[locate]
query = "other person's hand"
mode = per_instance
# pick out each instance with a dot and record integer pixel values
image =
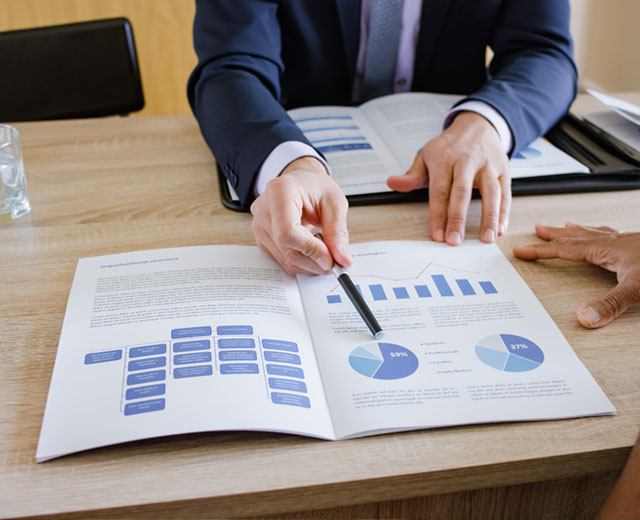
(467, 155)
(302, 197)
(603, 246)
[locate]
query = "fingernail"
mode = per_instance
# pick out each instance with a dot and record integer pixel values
(324, 263)
(454, 238)
(502, 228)
(589, 315)
(489, 235)
(439, 235)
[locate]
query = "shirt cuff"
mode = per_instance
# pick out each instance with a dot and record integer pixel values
(279, 158)
(490, 114)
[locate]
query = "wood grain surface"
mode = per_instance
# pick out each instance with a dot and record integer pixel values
(113, 185)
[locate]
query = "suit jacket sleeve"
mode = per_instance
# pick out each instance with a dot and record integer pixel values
(234, 91)
(532, 77)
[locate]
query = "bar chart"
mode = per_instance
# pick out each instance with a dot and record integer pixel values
(433, 286)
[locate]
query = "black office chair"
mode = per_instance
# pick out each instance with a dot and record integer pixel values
(87, 69)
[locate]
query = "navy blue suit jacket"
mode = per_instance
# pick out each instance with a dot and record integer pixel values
(258, 58)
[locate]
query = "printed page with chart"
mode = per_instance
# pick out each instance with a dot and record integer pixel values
(365, 145)
(466, 342)
(211, 338)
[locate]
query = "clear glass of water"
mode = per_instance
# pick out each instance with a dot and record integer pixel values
(14, 200)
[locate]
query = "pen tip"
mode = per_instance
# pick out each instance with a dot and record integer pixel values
(379, 334)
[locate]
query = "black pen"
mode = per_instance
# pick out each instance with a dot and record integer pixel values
(356, 298)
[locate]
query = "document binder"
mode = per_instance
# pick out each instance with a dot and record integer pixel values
(610, 169)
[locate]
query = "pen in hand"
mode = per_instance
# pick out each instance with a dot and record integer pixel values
(356, 298)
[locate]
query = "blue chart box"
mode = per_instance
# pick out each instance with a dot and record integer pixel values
(226, 330)
(237, 355)
(185, 346)
(283, 370)
(145, 391)
(197, 371)
(190, 332)
(148, 350)
(287, 384)
(152, 405)
(193, 357)
(290, 399)
(277, 344)
(146, 377)
(239, 368)
(144, 364)
(102, 357)
(282, 357)
(236, 343)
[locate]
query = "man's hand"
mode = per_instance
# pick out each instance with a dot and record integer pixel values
(603, 246)
(467, 155)
(304, 196)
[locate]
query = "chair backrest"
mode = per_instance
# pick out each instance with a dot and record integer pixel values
(87, 69)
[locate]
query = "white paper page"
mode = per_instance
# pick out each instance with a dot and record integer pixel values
(627, 110)
(542, 158)
(181, 340)
(466, 342)
(617, 126)
(406, 122)
(360, 162)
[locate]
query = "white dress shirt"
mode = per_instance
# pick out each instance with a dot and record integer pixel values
(289, 151)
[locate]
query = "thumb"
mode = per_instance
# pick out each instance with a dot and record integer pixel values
(415, 177)
(603, 310)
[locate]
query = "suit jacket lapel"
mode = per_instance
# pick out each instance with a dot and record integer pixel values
(432, 19)
(349, 15)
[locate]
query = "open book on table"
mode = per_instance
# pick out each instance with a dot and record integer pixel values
(365, 145)
(211, 338)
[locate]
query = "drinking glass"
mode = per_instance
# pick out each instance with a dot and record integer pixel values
(14, 200)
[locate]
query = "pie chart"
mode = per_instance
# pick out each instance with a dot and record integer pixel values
(383, 361)
(509, 353)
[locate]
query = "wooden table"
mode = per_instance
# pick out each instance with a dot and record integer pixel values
(107, 186)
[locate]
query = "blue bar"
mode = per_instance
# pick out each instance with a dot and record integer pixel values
(276, 344)
(227, 330)
(290, 399)
(488, 288)
(146, 377)
(237, 355)
(334, 298)
(190, 332)
(192, 357)
(287, 384)
(144, 364)
(283, 370)
(282, 357)
(148, 350)
(465, 287)
(377, 292)
(236, 343)
(186, 346)
(196, 371)
(102, 357)
(145, 391)
(423, 291)
(401, 293)
(342, 147)
(239, 368)
(144, 406)
(442, 285)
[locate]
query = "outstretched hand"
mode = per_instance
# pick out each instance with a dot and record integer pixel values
(302, 198)
(602, 246)
(467, 155)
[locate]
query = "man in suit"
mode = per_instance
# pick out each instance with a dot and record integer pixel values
(258, 58)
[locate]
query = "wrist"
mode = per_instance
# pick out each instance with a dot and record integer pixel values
(306, 163)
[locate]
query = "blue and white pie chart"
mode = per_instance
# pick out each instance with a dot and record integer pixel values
(381, 360)
(509, 353)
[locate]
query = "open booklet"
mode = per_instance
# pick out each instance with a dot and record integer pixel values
(210, 338)
(364, 145)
